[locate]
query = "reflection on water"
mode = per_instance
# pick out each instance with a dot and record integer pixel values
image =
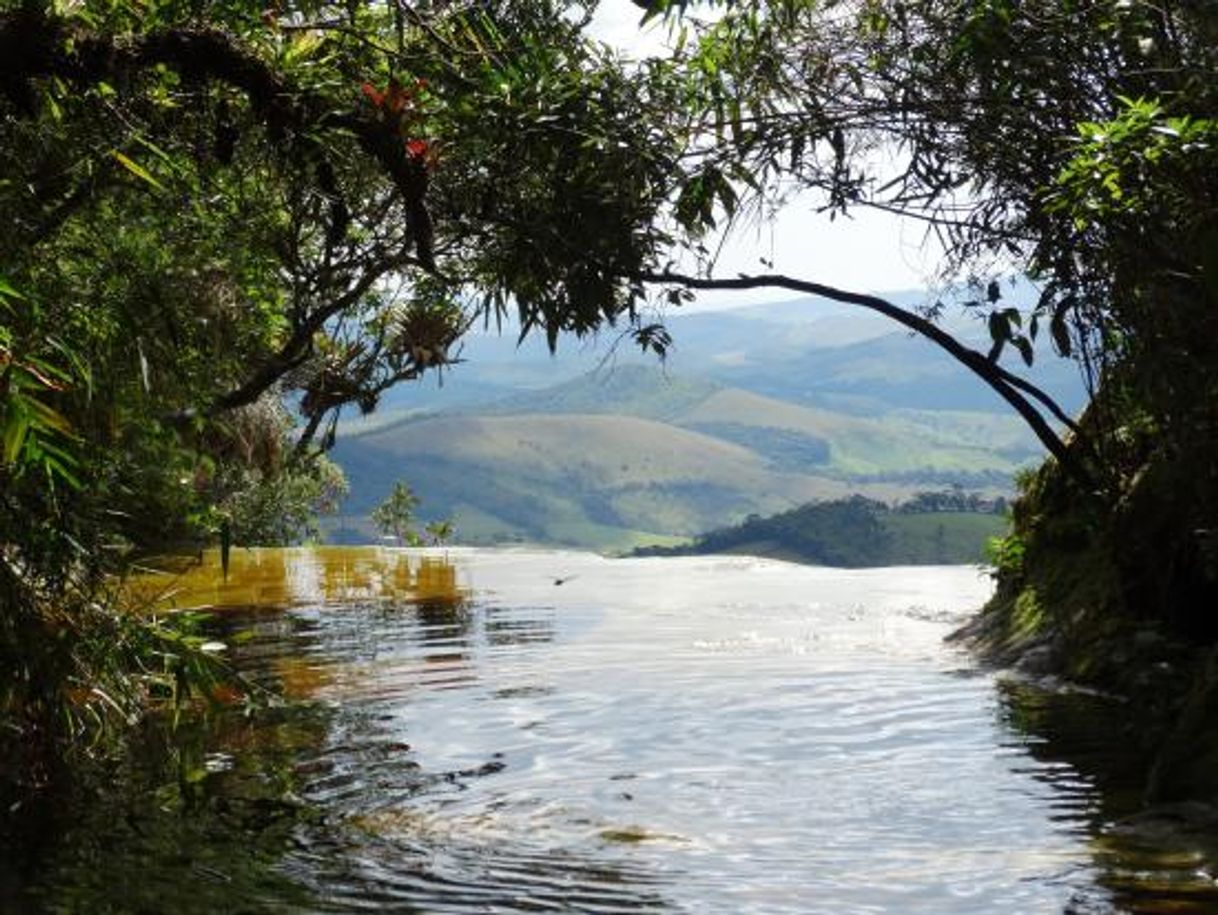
(288, 577)
(1163, 859)
(702, 735)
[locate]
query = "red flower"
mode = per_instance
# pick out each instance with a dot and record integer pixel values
(397, 98)
(417, 149)
(377, 98)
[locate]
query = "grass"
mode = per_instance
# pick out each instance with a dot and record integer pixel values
(940, 537)
(908, 443)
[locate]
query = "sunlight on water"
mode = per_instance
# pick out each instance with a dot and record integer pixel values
(288, 577)
(519, 731)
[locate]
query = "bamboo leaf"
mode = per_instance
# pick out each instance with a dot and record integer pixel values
(136, 169)
(16, 426)
(7, 291)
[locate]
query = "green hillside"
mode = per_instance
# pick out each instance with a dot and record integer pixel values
(853, 533)
(977, 449)
(628, 389)
(588, 480)
(632, 455)
(904, 445)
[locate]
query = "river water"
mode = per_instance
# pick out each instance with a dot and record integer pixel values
(503, 731)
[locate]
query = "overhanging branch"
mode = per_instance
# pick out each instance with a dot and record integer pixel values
(1011, 388)
(34, 45)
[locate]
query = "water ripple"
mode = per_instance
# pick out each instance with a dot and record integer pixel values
(623, 751)
(692, 735)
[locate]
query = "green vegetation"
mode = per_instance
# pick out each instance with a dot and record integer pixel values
(1101, 183)
(395, 516)
(783, 449)
(218, 211)
(645, 391)
(615, 475)
(1074, 144)
(930, 529)
(440, 532)
(219, 215)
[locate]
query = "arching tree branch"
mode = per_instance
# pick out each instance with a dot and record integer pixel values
(1011, 388)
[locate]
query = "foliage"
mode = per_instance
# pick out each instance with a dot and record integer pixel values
(34, 436)
(79, 674)
(856, 532)
(951, 500)
(440, 532)
(1005, 554)
(833, 533)
(1073, 143)
(220, 211)
(282, 508)
(395, 515)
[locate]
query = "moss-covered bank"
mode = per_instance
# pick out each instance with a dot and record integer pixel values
(1116, 588)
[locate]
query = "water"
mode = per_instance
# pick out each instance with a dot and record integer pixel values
(488, 731)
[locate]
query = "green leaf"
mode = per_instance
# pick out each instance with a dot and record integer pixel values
(7, 291)
(15, 428)
(136, 169)
(156, 151)
(57, 468)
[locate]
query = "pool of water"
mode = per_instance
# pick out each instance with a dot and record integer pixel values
(501, 731)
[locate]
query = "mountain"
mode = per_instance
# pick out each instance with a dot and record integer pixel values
(756, 410)
(636, 454)
(892, 371)
(805, 350)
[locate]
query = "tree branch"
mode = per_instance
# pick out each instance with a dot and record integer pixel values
(33, 45)
(296, 349)
(1009, 387)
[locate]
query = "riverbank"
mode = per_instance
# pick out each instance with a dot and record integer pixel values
(1114, 595)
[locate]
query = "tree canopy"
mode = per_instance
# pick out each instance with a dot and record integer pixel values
(224, 214)
(1074, 143)
(219, 215)
(221, 212)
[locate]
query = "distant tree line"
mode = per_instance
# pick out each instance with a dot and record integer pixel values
(949, 527)
(951, 500)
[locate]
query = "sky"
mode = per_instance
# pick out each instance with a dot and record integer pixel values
(868, 252)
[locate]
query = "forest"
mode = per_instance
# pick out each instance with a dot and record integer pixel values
(932, 528)
(228, 223)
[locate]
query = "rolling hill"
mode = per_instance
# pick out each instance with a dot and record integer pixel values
(580, 479)
(758, 409)
(857, 533)
(637, 454)
(806, 351)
